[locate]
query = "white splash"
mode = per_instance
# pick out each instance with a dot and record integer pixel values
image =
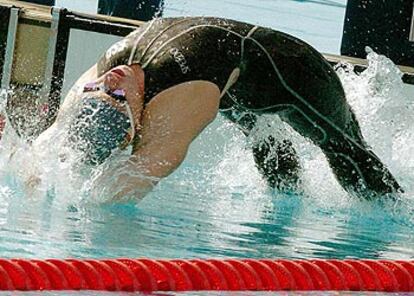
(385, 112)
(377, 96)
(48, 167)
(384, 107)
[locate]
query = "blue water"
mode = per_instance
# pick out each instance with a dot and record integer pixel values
(216, 204)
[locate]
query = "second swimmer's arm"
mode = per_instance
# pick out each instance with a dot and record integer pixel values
(171, 121)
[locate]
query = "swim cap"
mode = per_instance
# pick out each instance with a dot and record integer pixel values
(97, 130)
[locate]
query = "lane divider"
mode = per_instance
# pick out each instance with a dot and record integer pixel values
(203, 275)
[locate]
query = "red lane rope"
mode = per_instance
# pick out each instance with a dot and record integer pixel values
(198, 275)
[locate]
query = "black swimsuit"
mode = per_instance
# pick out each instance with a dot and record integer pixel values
(258, 70)
(277, 72)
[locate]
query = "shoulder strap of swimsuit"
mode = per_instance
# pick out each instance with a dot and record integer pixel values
(134, 48)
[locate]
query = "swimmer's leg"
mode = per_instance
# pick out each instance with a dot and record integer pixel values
(276, 159)
(357, 168)
(282, 74)
(278, 162)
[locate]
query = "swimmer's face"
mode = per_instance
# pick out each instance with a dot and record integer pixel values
(118, 82)
(130, 79)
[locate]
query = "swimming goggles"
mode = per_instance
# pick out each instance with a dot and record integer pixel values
(118, 95)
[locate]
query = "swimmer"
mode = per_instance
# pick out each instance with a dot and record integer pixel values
(160, 86)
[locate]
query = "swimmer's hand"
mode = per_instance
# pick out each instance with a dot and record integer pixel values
(31, 186)
(129, 189)
(32, 182)
(122, 183)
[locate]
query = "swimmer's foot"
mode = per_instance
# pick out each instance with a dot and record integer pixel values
(278, 163)
(361, 172)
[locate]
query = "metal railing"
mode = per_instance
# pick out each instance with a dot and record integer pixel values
(411, 38)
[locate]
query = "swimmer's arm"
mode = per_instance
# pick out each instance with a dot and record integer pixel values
(171, 121)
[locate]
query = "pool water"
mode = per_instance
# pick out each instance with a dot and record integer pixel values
(216, 204)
